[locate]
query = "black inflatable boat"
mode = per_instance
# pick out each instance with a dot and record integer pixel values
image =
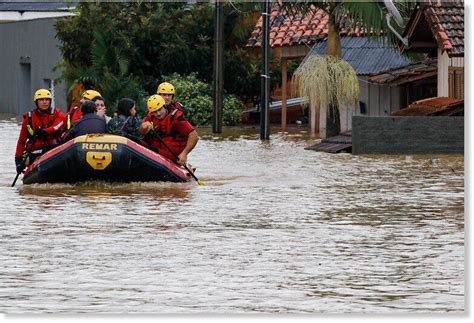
(103, 157)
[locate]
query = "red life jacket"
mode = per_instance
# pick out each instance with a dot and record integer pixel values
(150, 140)
(173, 129)
(74, 114)
(51, 121)
(174, 106)
(178, 106)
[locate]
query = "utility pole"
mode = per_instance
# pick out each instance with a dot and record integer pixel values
(265, 82)
(218, 68)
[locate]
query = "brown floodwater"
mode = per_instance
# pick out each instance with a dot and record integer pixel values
(276, 229)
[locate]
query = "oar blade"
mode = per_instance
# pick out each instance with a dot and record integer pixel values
(16, 177)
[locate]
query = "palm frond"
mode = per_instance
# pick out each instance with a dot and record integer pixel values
(123, 64)
(368, 16)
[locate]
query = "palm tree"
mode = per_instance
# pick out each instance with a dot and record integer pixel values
(369, 16)
(109, 73)
(332, 87)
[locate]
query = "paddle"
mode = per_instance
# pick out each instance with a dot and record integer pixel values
(25, 157)
(176, 156)
(16, 177)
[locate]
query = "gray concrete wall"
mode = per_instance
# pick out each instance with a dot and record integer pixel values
(407, 135)
(29, 51)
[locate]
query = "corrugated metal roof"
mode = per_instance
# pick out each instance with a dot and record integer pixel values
(36, 6)
(365, 55)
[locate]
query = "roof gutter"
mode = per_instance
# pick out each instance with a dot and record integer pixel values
(393, 13)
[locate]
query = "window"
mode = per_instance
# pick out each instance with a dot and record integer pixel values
(456, 82)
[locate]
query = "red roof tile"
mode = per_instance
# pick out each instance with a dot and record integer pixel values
(433, 106)
(294, 29)
(287, 41)
(276, 42)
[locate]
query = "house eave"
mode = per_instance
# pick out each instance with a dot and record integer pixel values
(12, 16)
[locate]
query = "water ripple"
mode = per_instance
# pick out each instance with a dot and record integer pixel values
(276, 229)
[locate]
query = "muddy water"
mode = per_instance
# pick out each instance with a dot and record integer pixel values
(276, 229)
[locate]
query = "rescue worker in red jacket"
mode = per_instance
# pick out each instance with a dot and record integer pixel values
(75, 113)
(177, 133)
(167, 91)
(40, 131)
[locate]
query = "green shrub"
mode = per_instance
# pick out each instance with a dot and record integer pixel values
(232, 114)
(196, 96)
(200, 110)
(188, 86)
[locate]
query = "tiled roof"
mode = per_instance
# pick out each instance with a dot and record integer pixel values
(433, 106)
(365, 55)
(289, 30)
(445, 19)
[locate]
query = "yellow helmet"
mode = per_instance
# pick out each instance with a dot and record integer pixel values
(42, 94)
(90, 94)
(165, 88)
(155, 103)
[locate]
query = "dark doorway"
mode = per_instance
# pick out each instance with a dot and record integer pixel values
(24, 91)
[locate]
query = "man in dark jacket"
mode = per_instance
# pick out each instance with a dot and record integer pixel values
(89, 123)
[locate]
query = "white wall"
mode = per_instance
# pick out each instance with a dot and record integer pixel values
(444, 61)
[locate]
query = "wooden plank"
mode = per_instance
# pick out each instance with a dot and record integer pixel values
(294, 51)
(336, 144)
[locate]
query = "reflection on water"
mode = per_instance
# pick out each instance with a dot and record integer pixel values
(153, 190)
(276, 229)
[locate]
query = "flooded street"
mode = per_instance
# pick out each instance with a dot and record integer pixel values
(276, 229)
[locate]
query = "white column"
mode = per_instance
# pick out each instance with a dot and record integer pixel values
(322, 122)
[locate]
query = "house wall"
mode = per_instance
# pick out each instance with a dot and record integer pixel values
(29, 53)
(363, 94)
(377, 99)
(398, 97)
(381, 99)
(444, 62)
(456, 62)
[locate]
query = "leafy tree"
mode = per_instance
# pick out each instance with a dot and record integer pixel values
(368, 15)
(144, 41)
(197, 98)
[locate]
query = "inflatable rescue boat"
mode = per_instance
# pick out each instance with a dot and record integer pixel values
(103, 157)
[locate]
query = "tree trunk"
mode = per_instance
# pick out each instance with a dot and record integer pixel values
(334, 40)
(333, 122)
(333, 119)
